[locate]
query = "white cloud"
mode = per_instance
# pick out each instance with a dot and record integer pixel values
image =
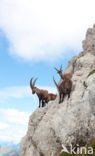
(15, 116)
(43, 30)
(13, 125)
(3, 125)
(50, 89)
(16, 92)
(13, 135)
(21, 92)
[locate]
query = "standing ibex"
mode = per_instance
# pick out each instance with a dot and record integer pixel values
(64, 88)
(66, 75)
(42, 94)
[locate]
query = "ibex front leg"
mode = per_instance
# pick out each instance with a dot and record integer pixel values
(59, 98)
(39, 103)
(43, 103)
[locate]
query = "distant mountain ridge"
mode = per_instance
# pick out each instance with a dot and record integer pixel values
(11, 144)
(9, 149)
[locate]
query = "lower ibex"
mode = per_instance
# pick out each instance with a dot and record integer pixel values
(64, 88)
(50, 97)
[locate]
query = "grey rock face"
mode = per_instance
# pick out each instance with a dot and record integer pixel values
(72, 121)
(89, 42)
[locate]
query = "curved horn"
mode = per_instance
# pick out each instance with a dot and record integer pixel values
(55, 82)
(61, 67)
(34, 82)
(31, 83)
(56, 69)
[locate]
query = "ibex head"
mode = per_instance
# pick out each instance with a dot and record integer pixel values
(59, 71)
(33, 85)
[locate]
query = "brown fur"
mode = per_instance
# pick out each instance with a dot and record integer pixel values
(42, 94)
(66, 75)
(51, 97)
(64, 88)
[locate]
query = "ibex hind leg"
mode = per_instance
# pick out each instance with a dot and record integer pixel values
(43, 103)
(59, 98)
(46, 102)
(39, 103)
(62, 97)
(68, 95)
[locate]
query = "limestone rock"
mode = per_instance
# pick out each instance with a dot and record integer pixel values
(72, 121)
(89, 42)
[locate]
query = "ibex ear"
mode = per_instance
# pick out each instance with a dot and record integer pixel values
(61, 68)
(56, 69)
(34, 82)
(31, 83)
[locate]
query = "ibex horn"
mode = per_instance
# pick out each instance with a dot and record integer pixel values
(34, 82)
(56, 69)
(55, 82)
(31, 82)
(61, 67)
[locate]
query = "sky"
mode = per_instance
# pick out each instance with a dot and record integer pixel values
(35, 37)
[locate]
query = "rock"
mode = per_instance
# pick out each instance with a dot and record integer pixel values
(72, 121)
(89, 42)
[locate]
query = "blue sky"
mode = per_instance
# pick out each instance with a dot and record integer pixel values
(35, 37)
(16, 72)
(15, 92)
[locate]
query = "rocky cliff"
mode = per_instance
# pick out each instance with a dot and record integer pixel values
(72, 121)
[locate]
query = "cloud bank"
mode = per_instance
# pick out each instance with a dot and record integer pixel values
(21, 92)
(13, 125)
(3, 125)
(45, 29)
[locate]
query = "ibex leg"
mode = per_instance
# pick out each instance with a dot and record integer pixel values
(39, 103)
(59, 97)
(43, 103)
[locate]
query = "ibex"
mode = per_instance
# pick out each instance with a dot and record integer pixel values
(64, 88)
(66, 75)
(51, 97)
(42, 94)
